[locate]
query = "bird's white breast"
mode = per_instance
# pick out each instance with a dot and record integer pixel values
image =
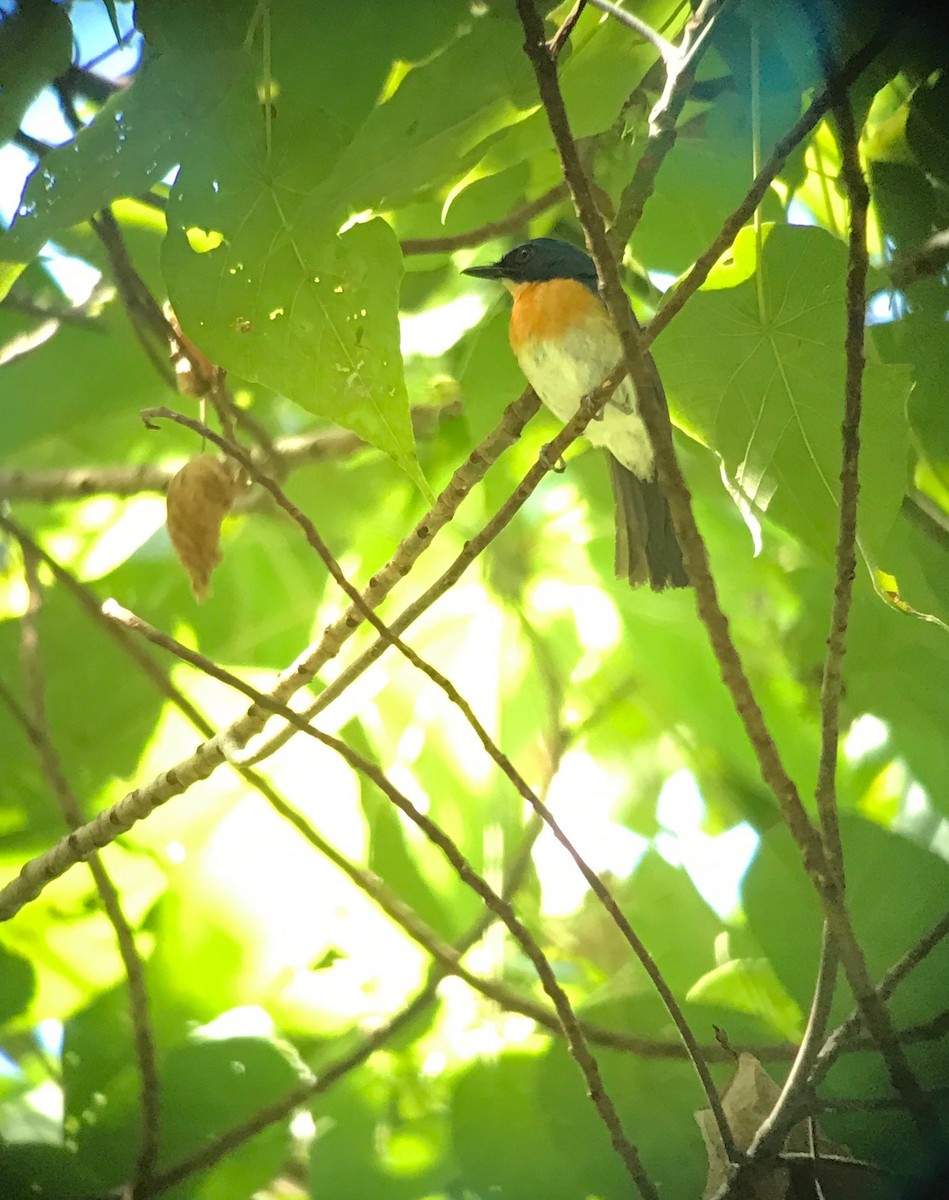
(563, 370)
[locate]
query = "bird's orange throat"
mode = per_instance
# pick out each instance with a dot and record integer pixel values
(549, 308)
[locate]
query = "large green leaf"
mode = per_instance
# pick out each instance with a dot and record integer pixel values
(303, 311)
(35, 47)
(17, 984)
(756, 371)
(895, 892)
(135, 138)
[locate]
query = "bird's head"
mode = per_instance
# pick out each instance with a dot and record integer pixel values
(539, 260)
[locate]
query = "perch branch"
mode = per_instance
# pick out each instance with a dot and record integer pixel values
(635, 364)
(496, 903)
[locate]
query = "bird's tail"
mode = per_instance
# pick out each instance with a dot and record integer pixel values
(646, 546)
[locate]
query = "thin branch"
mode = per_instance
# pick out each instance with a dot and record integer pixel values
(831, 684)
(501, 760)
(287, 455)
(843, 1036)
(876, 1016)
(221, 1145)
(666, 50)
(562, 36)
(448, 957)
(35, 723)
(148, 322)
(644, 381)
(38, 872)
(515, 220)
(661, 138)
(436, 835)
(696, 560)
(771, 1135)
(860, 1104)
(819, 106)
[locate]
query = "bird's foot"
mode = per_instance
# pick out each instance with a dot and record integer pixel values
(557, 465)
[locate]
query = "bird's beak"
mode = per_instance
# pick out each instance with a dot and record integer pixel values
(491, 271)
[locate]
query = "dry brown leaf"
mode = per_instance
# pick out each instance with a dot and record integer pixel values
(748, 1098)
(194, 372)
(199, 498)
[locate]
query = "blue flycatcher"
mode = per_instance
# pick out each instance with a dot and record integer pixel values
(565, 342)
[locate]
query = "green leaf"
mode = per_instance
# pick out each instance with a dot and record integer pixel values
(135, 138)
(210, 1086)
(756, 372)
(17, 984)
(895, 892)
(433, 126)
(96, 699)
(301, 310)
(655, 1099)
(47, 1172)
(750, 985)
(361, 1120)
(501, 1135)
(35, 47)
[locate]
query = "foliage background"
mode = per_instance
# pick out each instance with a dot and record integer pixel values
(328, 168)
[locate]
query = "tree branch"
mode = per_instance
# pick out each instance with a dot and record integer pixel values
(137, 804)
(818, 108)
(502, 909)
(35, 723)
(515, 220)
(292, 452)
(643, 379)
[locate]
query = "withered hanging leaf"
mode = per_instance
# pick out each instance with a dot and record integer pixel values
(748, 1098)
(199, 498)
(195, 374)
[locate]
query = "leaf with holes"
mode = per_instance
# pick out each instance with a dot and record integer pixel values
(756, 372)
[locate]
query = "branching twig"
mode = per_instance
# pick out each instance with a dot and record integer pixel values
(515, 220)
(40, 871)
(49, 486)
(844, 1035)
(35, 723)
(643, 379)
(437, 836)
(819, 106)
(662, 134)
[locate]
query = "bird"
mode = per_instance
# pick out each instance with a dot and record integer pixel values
(566, 344)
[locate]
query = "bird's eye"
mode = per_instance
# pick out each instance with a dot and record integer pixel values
(522, 254)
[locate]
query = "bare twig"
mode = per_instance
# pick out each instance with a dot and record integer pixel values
(35, 723)
(491, 747)
(515, 220)
(844, 1035)
(819, 106)
(662, 133)
(562, 36)
(773, 1131)
(41, 870)
(287, 454)
(635, 364)
(145, 315)
(852, 174)
(502, 909)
